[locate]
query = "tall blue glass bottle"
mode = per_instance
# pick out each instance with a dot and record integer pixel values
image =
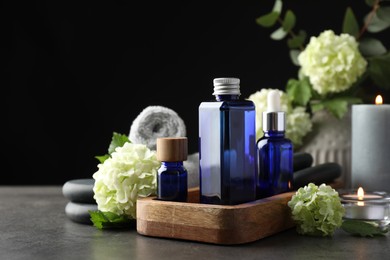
(275, 152)
(227, 146)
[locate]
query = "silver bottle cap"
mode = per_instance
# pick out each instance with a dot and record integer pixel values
(226, 86)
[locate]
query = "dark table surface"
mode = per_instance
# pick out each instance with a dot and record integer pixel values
(33, 225)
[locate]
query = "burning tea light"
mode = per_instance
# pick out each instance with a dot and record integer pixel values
(374, 206)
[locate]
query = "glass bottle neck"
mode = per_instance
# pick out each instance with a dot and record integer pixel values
(172, 164)
(226, 97)
(274, 133)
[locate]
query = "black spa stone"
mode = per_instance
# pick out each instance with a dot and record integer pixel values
(78, 212)
(79, 190)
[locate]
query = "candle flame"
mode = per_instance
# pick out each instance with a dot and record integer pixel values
(378, 100)
(360, 193)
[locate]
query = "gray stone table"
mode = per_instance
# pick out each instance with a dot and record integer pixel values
(33, 225)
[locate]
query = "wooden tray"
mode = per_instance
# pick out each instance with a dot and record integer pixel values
(217, 224)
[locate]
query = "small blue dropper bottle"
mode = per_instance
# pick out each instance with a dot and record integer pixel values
(172, 178)
(275, 151)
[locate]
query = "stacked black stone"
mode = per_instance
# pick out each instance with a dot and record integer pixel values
(80, 194)
(305, 173)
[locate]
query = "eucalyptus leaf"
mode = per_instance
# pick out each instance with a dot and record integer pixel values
(289, 21)
(268, 20)
(383, 13)
(294, 56)
(278, 6)
(376, 24)
(297, 40)
(279, 34)
(371, 47)
(379, 70)
(350, 24)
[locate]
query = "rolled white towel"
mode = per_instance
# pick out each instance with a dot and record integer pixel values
(154, 122)
(192, 166)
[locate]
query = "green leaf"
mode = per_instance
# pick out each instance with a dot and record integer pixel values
(297, 40)
(118, 140)
(294, 56)
(350, 24)
(379, 70)
(376, 24)
(279, 34)
(278, 6)
(267, 20)
(363, 228)
(289, 21)
(352, 100)
(102, 158)
(371, 47)
(337, 106)
(270, 19)
(315, 107)
(370, 2)
(106, 220)
(383, 13)
(299, 91)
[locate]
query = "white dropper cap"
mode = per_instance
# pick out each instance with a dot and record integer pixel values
(273, 117)
(273, 101)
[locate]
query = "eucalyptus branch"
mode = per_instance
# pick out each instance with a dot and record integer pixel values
(291, 33)
(370, 16)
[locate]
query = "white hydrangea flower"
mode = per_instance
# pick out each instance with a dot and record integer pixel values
(317, 210)
(129, 173)
(332, 63)
(298, 125)
(298, 122)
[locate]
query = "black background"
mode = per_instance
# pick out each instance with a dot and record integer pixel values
(76, 71)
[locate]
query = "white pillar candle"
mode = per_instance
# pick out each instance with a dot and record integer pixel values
(370, 143)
